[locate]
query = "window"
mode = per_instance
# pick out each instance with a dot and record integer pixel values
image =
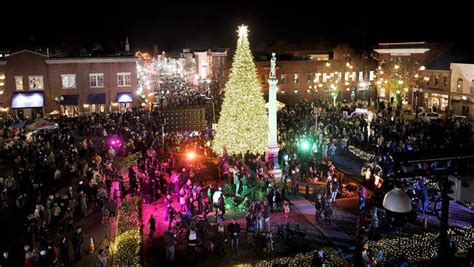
(472, 87)
(96, 80)
(68, 81)
(297, 78)
(445, 81)
(436, 80)
(19, 83)
(283, 78)
(36, 82)
(459, 85)
(124, 79)
(310, 77)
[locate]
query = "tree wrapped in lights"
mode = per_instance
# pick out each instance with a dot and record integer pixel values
(243, 119)
(398, 77)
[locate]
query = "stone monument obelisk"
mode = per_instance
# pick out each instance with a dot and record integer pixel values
(273, 148)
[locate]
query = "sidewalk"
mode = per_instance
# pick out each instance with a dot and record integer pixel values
(93, 228)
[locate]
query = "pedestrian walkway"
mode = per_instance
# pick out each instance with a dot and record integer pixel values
(333, 233)
(102, 235)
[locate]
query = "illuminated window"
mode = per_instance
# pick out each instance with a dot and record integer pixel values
(68, 81)
(36, 82)
(124, 79)
(96, 80)
(283, 78)
(436, 80)
(445, 81)
(297, 78)
(459, 88)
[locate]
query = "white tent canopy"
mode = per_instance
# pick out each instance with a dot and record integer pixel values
(42, 124)
(279, 105)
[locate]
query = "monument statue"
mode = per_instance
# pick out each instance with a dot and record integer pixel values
(273, 66)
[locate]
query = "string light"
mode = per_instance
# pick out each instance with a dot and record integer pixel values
(127, 245)
(421, 247)
(243, 119)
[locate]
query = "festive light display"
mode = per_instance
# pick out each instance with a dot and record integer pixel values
(360, 153)
(397, 78)
(243, 120)
(422, 247)
(333, 258)
(128, 161)
(127, 245)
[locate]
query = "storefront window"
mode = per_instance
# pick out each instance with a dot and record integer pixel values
(69, 110)
(125, 106)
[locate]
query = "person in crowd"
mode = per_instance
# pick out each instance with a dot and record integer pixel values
(320, 206)
(152, 224)
(234, 231)
(362, 193)
(102, 258)
(77, 240)
(328, 213)
(334, 189)
(170, 245)
(286, 208)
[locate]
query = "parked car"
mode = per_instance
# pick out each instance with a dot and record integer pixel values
(429, 116)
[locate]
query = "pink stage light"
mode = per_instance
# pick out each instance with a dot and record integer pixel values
(114, 142)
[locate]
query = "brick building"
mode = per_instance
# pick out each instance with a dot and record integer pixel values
(308, 74)
(431, 90)
(35, 84)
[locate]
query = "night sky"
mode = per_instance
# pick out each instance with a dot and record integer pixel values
(176, 24)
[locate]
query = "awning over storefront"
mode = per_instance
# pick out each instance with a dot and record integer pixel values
(124, 98)
(70, 100)
(96, 99)
(28, 100)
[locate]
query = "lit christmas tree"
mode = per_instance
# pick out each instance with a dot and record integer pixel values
(243, 119)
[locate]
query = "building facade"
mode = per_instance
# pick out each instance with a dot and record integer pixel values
(36, 85)
(423, 84)
(462, 88)
(311, 75)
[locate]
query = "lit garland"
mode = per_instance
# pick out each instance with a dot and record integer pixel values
(360, 153)
(421, 247)
(128, 242)
(302, 259)
(127, 246)
(243, 119)
(128, 161)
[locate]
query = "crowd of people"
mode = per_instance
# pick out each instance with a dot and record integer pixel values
(383, 134)
(174, 92)
(62, 175)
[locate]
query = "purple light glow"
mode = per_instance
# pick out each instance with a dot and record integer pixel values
(115, 142)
